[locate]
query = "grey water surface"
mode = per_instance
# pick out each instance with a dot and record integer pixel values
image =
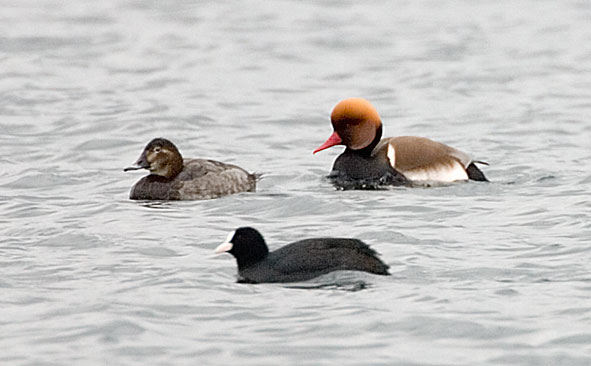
(482, 274)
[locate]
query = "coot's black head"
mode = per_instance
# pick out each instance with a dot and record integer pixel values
(246, 245)
(161, 158)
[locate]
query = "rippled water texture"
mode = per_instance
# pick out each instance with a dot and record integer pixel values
(482, 274)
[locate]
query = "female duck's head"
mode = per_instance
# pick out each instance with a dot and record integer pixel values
(160, 157)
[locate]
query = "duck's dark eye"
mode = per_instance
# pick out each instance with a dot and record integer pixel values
(156, 149)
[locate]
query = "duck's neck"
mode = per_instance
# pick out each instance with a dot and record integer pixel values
(366, 151)
(176, 167)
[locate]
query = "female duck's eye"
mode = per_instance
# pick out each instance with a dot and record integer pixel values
(156, 149)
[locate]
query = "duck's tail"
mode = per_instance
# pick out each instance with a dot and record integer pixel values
(474, 173)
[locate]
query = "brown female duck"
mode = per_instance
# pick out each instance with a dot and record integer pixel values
(174, 178)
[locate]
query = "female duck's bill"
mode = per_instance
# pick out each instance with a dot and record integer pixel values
(369, 160)
(298, 261)
(174, 178)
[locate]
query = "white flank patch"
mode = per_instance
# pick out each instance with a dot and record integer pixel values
(391, 155)
(439, 173)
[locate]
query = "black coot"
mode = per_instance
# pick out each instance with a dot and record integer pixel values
(298, 261)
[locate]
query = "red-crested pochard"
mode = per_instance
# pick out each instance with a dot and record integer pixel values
(174, 178)
(370, 161)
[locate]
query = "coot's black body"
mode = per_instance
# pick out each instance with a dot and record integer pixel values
(298, 261)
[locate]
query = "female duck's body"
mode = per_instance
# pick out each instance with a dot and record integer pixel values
(175, 178)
